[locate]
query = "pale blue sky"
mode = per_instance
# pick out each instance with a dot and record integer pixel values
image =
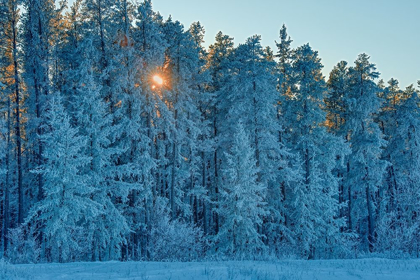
(387, 30)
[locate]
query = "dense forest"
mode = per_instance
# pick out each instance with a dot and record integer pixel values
(123, 138)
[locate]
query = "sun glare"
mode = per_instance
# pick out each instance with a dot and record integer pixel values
(158, 80)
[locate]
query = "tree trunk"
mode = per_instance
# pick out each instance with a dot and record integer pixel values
(350, 200)
(6, 190)
(17, 114)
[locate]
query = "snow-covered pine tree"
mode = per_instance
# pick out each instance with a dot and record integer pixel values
(39, 31)
(315, 221)
(140, 56)
(242, 197)
(335, 101)
(284, 65)
(108, 232)
(365, 168)
(98, 22)
(133, 135)
(289, 173)
(336, 107)
(70, 57)
(250, 93)
(183, 73)
(5, 116)
(399, 223)
(286, 81)
(67, 208)
(386, 118)
(124, 63)
(12, 95)
(218, 65)
(203, 99)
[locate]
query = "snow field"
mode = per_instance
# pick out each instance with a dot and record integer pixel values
(369, 269)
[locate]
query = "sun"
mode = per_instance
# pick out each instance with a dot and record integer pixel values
(158, 80)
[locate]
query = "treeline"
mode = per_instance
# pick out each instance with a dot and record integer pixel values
(122, 137)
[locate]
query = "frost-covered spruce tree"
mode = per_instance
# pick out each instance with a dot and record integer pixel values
(102, 25)
(218, 66)
(203, 100)
(386, 118)
(286, 81)
(10, 75)
(289, 175)
(284, 65)
(182, 70)
(70, 57)
(251, 95)
(134, 133)
(124, 63)
(241, 205)
(137, 55)
(399, 224)
(335, 101)
(97, 13)
(150, 46)
(285, 77)
(39, 24)
(9, 85)
(336, 106)
(67, 207)
(365, 168)
(108, 232)
(314, 219)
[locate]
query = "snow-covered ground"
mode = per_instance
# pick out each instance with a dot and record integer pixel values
(382, 269)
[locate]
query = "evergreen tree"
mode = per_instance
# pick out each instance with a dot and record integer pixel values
(39, 26)
(108, 232)
(6, 88)
(137, 113)
(285, 56)
(399, 223)
(365, 168)
(286, 81)
(289, 171)
(242, 200)
(12, 95)
(67, 208)
(386, 118)
(98, 14)
(182, 70)
(315, 199)
(3, 139)
(252, 96)
(218, 66)
(335, 101)
(132, 135)
(70, 57)
(336, 106)
(203, 100)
